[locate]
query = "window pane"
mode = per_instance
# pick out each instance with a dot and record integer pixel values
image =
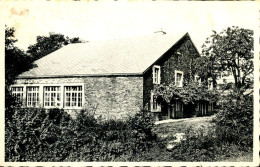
(73, 96)
(51, 98)
(17, 92)
(33, 96)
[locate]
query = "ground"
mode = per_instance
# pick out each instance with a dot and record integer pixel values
(167, 130)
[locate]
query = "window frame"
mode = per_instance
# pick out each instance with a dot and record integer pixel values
(15, 93)
(41, 94)
(31, 94)
(175, 79)
(152, 100)
(71, 92)
(51, 92)
(156, 78)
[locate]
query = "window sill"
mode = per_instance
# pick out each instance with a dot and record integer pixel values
(73, 108)
(155, 110)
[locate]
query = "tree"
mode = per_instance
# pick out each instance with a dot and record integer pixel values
(16, 62)
(231, 53)
(48, 44)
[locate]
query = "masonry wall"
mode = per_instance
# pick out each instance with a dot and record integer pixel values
(109, 97)
(180, 57)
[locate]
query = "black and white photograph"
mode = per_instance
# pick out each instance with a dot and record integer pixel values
(118, 82)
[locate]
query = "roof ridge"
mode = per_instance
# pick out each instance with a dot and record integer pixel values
(134, 37)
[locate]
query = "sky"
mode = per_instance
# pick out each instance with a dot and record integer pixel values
(98, 20)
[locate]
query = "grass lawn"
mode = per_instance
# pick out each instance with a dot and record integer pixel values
(187, 152)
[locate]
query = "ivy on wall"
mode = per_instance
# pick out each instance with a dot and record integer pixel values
(190, 93)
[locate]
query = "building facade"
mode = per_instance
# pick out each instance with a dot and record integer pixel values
(112, 79)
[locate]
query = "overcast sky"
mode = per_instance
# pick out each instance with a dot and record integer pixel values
(100, 21)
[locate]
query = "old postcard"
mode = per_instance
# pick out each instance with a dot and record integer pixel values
(121, 83)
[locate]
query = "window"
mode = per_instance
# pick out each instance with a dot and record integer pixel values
(17, 92)
(52, 96)
(156, 74)
(73, 96)
(178, 78)
(210, 84)
(32, 96)
(155, 107)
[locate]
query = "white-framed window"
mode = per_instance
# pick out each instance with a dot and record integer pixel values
(156, 74)
(155, 107)
(52, 96)
(178, 78)
(32, 96)
(17, 92)
(73, 96)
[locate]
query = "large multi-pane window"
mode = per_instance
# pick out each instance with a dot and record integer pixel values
(52, 96)
(73, 96)
(49, 96)
(178, 78)
(32, 96)
(17, 92)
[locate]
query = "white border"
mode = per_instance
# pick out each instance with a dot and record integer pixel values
(256, 118)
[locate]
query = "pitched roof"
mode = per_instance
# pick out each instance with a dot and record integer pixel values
(112, 57)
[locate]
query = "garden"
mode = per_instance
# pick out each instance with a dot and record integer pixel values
(40, 135)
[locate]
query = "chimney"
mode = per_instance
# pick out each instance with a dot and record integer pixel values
(161, 32)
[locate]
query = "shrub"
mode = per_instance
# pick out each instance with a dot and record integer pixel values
(52, 135)
(234, 121)
(37, 135)
(204, 145)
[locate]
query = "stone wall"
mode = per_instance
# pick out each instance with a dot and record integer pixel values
(180, 57)
(109, 97)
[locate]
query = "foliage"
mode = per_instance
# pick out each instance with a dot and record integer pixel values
(52, 135)
(16, 61)
(201, 145)
(231, 52)
(203, 67)
(33, 134)
(234, 121)
(189, 93)
(48, 44)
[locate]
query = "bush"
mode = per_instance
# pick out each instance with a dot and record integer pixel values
(35, 135)
(206, 146)
(52, 135)
(142, 124)
(234, 121)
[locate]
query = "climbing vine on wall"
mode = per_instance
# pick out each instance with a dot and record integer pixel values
(189, 93)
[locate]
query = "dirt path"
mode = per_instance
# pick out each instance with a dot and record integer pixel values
(168, 128)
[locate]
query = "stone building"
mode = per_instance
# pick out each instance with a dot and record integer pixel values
(113, 78)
